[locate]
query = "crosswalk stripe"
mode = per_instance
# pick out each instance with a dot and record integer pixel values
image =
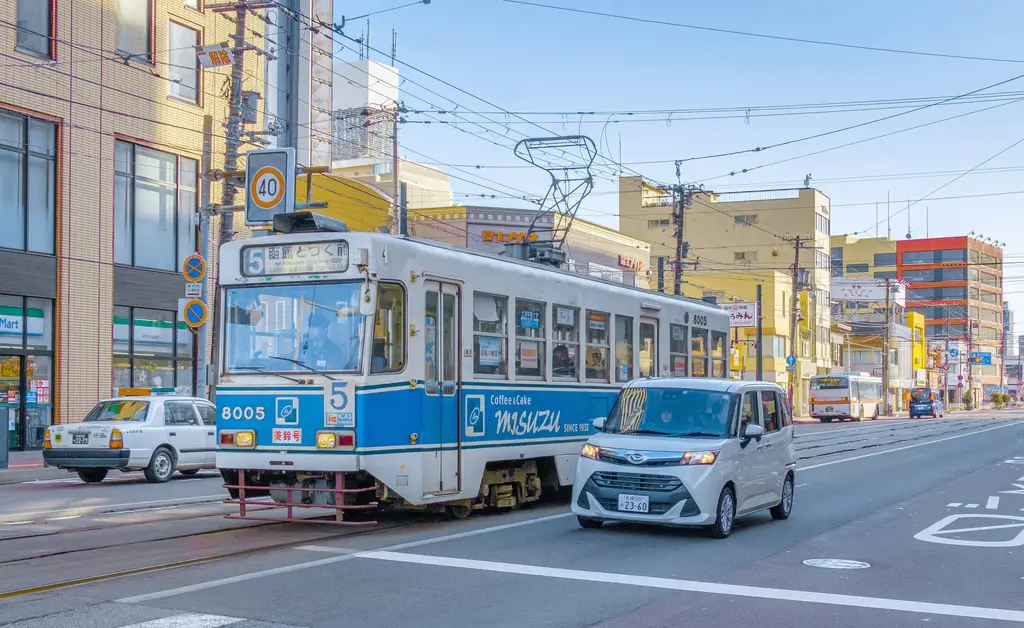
(188, 620)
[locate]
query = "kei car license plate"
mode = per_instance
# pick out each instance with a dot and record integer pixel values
(634, 503)
(79, 439)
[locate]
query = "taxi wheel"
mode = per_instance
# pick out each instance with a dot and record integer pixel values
(92, 476)
(161, 467)
(726, 512)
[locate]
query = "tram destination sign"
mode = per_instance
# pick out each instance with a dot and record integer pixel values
(295, 259)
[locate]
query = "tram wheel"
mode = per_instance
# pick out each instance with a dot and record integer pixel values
(459, 511)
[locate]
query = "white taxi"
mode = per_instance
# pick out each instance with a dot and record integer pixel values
(137, 430)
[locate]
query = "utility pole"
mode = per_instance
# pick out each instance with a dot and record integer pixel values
(204, 251)
(678, 220)
(394, 170)
(759, 370)
(794, 306)
(885, 352)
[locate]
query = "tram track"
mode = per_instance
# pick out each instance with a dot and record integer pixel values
(884, 437)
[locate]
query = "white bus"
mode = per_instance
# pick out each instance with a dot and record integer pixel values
(853, 396)
(364, 370)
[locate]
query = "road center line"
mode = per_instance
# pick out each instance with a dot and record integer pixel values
(188, 620)
(790, 595)
(135, 599)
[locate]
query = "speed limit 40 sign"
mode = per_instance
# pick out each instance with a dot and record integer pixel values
(269, 185)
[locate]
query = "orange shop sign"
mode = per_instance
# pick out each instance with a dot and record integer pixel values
(631, 262)
(489, 235)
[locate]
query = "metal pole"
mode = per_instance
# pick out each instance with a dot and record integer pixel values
(759, 369)
(677, 288)
(204, 251)
(403, 210)
(794, 313)
(233, 133)
(394, 171)
(885, 354)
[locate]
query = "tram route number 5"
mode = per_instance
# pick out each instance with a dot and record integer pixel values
(338, 399)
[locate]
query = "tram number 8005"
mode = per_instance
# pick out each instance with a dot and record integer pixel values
(238, 413)
(700, 320)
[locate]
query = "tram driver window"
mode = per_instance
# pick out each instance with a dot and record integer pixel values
(529, 338)
(388, 351)
(623, 348)
(565, 356)
(490, 331)
(597, 346)
(699, 352)
(718, 354)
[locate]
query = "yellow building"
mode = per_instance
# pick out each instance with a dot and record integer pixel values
(744, 233)
(101, 137)
(363, 207)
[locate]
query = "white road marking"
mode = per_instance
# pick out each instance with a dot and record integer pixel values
(804, 484)
(971, 506)
(905, 447)
(954, 505)
(932, 533)
(135, 599)
(188, 620)
(992, 503)
(15, 523)
(695, 586)
(198, 499)
(65, 518)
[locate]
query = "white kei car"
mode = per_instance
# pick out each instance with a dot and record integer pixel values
(153, 433)
(688, 452)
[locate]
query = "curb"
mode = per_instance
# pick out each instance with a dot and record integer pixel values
(28, 475)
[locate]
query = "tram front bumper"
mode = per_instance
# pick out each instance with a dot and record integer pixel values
(288, 462)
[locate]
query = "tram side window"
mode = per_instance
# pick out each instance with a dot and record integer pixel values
(623, 348)
(597, 346)
(388, 354)
(678, 349)
(699, 352)
(718, 354)
(565, 356)
(529, 338)
(490, 332)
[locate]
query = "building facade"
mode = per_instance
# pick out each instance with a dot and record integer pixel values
(744, 233)
(102, 105)
(956, 283)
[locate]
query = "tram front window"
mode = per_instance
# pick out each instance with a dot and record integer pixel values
(294, 328)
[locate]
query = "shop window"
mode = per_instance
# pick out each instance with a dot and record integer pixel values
(699, 352)
(718, 354)
(35, 28)
(529, 338)
(152, 350)
(26, 369)
(565, 354)
(28, 162)
(490, 332)
(598, 344)
(388, 353)
(623, 348)
(154, 207)
(678, 348)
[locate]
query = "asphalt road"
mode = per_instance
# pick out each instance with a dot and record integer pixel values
(931, 511)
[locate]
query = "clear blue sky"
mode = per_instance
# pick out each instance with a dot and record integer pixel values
(526, 58)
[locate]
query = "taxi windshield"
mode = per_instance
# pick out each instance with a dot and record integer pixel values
(120, 410)
(278, 328)
(681, 412)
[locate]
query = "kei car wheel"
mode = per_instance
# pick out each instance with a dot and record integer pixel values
(781, 511)
(589, 524)
(725, 514)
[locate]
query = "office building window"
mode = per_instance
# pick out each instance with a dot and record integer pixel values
(856, 268)
(885, 259)
(135, 29)
(154, 207)
(821, 223)
(885, 274)
(837, 261)
(657, 224)
(35, 27)
(152, 350)
(183, 65)
(28, 183)
(192, 4)
(745, 219)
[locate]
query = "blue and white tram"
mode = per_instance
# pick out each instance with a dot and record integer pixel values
(363, 370)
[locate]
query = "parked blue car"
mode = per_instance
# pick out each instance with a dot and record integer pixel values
(925, 402)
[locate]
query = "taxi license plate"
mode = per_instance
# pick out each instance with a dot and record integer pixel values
(634, 503)
(79, 439)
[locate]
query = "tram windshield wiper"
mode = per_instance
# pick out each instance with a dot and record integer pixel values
(263, 369)
(302, 364)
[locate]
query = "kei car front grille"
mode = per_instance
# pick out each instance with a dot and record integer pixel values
(636, 481)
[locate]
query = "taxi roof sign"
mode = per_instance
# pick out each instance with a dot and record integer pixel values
(144, 392)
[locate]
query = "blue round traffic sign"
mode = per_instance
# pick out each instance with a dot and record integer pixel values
(194, 267)
(954, 352)
(790, 360)
(195, 313)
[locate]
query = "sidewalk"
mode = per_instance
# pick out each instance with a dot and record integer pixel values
(26, 466)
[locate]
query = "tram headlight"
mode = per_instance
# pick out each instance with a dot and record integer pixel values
(591, 451)
(245, 439)
(326, 440)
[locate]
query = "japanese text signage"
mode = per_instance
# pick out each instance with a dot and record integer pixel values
(295, 259)
(631, 262)
(490, 235)
(741, 314)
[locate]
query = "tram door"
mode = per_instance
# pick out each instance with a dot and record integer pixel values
(649, 347)
(441, 381)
